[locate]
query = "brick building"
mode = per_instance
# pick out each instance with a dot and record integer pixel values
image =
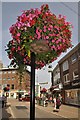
(70, 76)
(10, 77)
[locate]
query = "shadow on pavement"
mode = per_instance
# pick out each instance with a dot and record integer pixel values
(5, 114)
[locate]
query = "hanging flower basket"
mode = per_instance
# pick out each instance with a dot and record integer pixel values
(6, 89)
(43, 90)
(39, 31)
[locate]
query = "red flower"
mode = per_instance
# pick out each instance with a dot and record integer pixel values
(13, 49)
(32, 22)
(24, 18)
(10, 56)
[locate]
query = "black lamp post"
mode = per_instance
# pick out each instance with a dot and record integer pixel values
(32, 90)
(36, 48)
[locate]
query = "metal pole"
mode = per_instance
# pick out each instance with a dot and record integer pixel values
(52, 80)
(32, 90)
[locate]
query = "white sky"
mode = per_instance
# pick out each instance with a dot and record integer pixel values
(10, 11)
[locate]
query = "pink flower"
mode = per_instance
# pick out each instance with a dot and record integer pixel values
(53, 47)
(51, 26)
(24, 59)
(37, 12)
(40, 30)
(44, 27)
(57, 42)
(60, 16)
(28, 25)
(64, 40)
(44, 30)
(47, 37)
(18, 40)
(64, 17)
(38, 33)
(58, 47)
(51, 35)
(39, 36)
(18, 34)
(49, 29)
(19, 48)
(13, 48)
(53, 41)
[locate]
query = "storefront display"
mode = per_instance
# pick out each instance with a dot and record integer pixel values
(72, 96)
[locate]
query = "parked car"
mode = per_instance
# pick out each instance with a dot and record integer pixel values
(24, 98)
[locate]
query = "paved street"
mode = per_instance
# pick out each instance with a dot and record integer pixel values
(22, 110)
(18, 110)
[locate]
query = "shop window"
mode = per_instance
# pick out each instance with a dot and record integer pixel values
(66, 78)
(75, 74)
(12, 86)
(65, 65)
(73, 58)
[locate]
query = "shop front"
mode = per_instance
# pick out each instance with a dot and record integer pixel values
(72, 96)
(72, 93)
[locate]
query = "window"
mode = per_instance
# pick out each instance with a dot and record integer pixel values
(65, 65)
(8, 78)
(0, 72)
(13, 78)
(13, 72)
(12, 86)
(79, 52)
(5, 72)
(73, 58)
(66, 77)
(4, 85)
(9, 72)
(4, 78)
(75, 74)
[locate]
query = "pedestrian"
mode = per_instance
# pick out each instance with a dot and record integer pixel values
(58, 103)
(3, 99)
(50, 100)
(44, 99)
(54, 99)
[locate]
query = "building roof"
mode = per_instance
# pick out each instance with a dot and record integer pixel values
(10, 69)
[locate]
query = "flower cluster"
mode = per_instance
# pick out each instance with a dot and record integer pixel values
(34, 25)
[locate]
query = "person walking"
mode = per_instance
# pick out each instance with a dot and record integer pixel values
(3, 99)
(58, 103)
(54, 99)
